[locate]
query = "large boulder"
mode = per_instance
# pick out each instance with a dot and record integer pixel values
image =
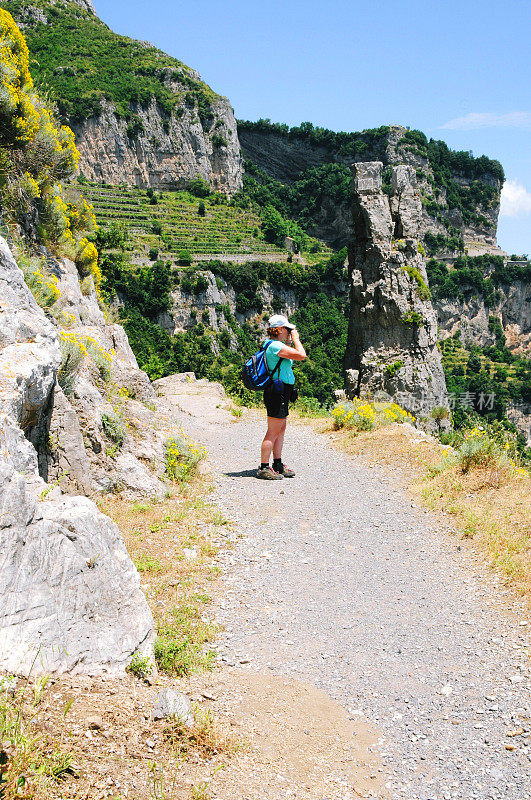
(71, 598)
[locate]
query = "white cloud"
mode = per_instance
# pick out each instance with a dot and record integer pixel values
(514, 119)
(515, 200)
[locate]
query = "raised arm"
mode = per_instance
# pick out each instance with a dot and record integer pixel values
(297, 352)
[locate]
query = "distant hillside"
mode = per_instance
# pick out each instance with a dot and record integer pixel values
(139, 115)
(305, 172)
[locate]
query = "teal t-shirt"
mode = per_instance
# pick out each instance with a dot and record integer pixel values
(285, 373)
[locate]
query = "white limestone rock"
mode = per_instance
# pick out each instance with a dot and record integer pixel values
(71, 598)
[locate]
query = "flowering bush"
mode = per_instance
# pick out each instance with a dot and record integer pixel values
(19, 118)
(74, 350)
(36, 153)
(87, 260)
(360, 415)
(181, 457)
(481, 449)
(42, 285)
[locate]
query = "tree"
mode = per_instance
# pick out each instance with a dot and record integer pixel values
(199, 187)
(274, 227)
(185, 258)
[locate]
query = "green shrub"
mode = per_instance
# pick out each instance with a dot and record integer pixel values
(153, 253)
(415, 275)
(218, 141)
(181, 457)
(180, 645)
(477, 450)
(185, 258)
(72, 356)
(199, 187)
(140, 666)
(413, 319)
(41, 283)
(310, 407)
(113, 428)
(392, 369)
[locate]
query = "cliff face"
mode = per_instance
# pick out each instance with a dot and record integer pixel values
(286, 158)
(471, 317)
(392, 343)
(165, 154)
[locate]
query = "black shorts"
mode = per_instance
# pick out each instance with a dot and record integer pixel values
(277, 400)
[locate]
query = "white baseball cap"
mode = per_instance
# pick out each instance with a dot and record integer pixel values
(280, 321)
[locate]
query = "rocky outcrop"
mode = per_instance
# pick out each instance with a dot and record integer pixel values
(167, 152)
(71, 598)
(392, 341)
(88, 5)
(77, 451)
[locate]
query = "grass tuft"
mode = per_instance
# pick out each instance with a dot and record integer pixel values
(30, 764)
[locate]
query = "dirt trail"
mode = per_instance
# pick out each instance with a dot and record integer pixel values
(339, 581)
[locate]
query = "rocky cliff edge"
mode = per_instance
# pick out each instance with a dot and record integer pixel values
(71, 598)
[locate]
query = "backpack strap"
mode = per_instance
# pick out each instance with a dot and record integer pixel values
(277, 368)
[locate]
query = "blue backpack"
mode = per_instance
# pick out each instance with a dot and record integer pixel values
(255, 372)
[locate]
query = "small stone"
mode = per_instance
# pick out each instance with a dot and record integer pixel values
(94, 722)
(170, 703)
(150, 743)
(509, 746)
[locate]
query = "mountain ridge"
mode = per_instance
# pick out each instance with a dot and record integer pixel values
(140, 116)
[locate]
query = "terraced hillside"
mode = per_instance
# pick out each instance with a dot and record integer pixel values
(172, 222)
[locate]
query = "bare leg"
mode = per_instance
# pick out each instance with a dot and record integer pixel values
(274, 428)
(279, 441)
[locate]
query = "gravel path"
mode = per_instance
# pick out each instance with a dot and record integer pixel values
(339, 580)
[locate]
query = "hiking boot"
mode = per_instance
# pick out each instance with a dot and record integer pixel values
(268, 474)
(287, 472)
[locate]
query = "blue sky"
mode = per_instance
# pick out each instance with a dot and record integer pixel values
(458, 71)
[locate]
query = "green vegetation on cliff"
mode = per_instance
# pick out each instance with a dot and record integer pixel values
(83, 63)
(481, 275)
(484, 380)
(302, 199)
(219, 354)
(36, 155)
(346, 144)
(455, 180)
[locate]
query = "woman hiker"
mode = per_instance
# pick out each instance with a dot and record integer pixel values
(279, 358)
